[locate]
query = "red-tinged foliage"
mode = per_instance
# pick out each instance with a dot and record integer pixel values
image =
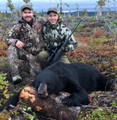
(98, 33)
(99, 67)
(102, 56)
(86, 29)
(3, 46)
(83, 39)
(3, 49)
(101, 53)
(3, 53)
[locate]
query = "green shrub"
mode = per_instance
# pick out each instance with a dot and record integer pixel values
(115, 22)
(97, 114)
(4, 86)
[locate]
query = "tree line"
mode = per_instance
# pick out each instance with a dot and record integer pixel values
(98, 7)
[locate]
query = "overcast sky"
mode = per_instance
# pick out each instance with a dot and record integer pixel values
(4, 1)
(39, 5)
(45, 4)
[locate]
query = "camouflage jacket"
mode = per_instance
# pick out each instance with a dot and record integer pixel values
(55, 34)
(30, 36)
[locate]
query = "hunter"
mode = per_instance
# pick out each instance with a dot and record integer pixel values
(54, 34)
(25, 42)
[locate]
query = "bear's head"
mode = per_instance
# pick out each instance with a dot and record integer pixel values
(47, 83)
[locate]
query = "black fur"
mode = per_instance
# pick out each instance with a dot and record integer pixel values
(13, 100)
(75, 78)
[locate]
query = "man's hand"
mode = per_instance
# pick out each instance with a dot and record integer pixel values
(19, 44)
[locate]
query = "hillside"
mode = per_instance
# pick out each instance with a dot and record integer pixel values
(97, 46)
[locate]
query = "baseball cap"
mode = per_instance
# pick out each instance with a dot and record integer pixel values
(52, 9)
(26, 7)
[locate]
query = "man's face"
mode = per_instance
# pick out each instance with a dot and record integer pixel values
(27, 15)
(52, 17)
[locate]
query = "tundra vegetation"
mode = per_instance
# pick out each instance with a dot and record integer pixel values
(97, 46)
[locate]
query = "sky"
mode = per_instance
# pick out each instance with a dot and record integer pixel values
(39, 5)
(2, 1)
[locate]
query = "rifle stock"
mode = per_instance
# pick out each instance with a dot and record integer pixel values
(53, 53)
(58, 52)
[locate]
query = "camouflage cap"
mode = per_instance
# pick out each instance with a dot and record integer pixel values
(52, 9)
(26, 7)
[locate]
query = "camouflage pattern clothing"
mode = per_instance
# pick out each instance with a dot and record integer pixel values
(58, 33)
(55, 34)
(31, 36)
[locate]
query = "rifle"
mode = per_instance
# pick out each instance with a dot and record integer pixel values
(59, 51)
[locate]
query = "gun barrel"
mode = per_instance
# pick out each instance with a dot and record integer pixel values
(56, 55)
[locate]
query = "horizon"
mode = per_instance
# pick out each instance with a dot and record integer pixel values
(40, 6)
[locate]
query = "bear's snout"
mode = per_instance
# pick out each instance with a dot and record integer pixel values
(42, 90)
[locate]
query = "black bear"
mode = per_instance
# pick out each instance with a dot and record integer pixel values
(76, 78)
